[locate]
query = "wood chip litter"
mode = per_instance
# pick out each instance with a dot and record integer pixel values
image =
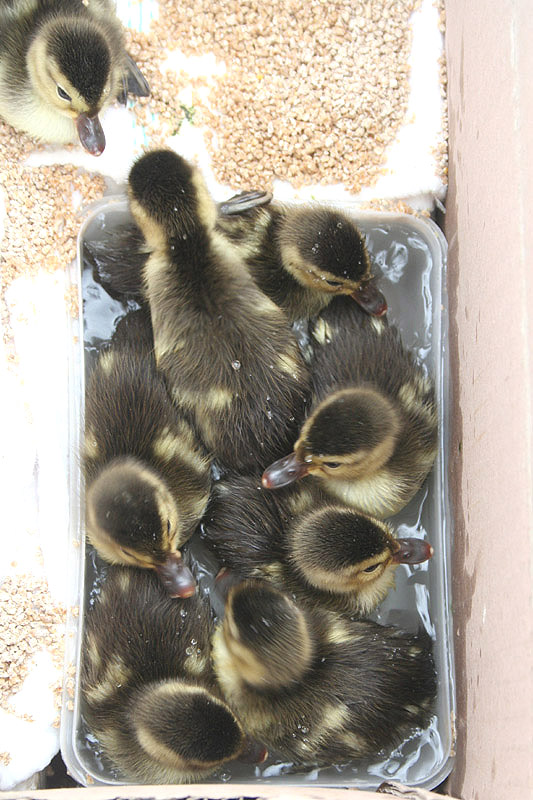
(30, 621)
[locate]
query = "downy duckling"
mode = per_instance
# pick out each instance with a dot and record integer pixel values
(301, 257)
(316, 687)
(300, 541)
(372, 434)
(148, 689)
(226, 350)
(61, 63)
(147, 477)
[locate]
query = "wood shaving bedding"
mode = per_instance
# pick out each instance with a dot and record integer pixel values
(313, 92)
(30, 620)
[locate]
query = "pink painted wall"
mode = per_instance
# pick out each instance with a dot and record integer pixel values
(489, 224)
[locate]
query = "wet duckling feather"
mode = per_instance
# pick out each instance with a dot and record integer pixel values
(315, 687)
(225, 348)
(148, 690)
(147, 476)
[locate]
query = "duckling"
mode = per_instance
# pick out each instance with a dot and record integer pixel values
(61, 63)
(226, 350)
(300, 541)
(315, 687)
(301, 257)
(371, 436)
(148, 689)
(147, 477)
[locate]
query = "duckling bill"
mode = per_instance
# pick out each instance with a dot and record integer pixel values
(61, 63)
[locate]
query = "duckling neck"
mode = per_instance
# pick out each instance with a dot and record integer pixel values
(299, 302)
(379, 494)
(194, 268)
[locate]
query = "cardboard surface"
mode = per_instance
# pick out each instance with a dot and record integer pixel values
(488, 224)
(240, 791)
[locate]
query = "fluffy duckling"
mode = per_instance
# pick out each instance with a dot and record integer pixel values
(61, 63)
(301, 257)
(371, 436)
(148, 689)
(316, 687)
(300, 541)
(147, 477)
(227, 353)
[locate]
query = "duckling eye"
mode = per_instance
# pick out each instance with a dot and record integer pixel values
(62, 94)
(168, 526)
(331, 464)
(371, 568)
(333, 283)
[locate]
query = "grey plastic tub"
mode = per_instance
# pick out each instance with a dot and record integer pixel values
(409, 253)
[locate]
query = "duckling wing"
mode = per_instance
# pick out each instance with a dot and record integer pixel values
(136, 83)
(244, 201)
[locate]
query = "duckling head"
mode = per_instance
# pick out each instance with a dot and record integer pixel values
(132, 519)
(168, 197)
(350, 435)
(73, 69)
(340, 551)
(266, 636)
(184, 727)
(323, 250)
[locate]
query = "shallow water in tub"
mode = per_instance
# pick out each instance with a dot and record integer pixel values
(403, 258)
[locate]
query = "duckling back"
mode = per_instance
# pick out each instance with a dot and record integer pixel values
(147, 476)
(224, 347)
(244, 527)
(352, 348)
(361, 687)
(148, 690)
